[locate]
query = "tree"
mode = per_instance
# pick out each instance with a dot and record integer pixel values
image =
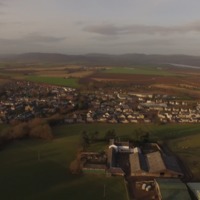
(110, 134)
(42, 131)
(75, 165)
(19, 131)
(95, 135)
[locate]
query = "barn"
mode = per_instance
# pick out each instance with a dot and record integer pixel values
(154, 164)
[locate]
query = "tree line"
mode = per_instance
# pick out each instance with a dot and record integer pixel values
(36, 128)
(138, 137)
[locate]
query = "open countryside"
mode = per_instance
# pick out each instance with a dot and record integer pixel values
(50, 121)
(50, 161)
(140, 70)
(56, 81)
(83, 112)
(99, 100)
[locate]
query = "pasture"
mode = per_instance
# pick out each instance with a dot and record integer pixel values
(35, 169)
(188, 149)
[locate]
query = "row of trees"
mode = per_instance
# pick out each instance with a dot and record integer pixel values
(138, 137)
(36, 128)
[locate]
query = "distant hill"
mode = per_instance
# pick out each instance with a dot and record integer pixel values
(101, 59)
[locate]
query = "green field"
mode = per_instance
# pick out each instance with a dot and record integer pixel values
(36, 169)
(139, 70)
(70, 82)
(157, 132)
(188, 149)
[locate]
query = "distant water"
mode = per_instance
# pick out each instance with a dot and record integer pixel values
(185, 66)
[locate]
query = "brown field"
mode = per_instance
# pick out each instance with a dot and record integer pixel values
(147, 80)
(184, 85)
(64, 73)
(183, 81)
(108, 80)
(3, 81)
(190, 92)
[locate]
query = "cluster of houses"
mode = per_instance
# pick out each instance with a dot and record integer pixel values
(150, 172)
(23, 100)
(113, 107)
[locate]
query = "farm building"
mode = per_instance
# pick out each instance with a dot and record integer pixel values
(195, 189)
(93, 162)
(116, 171)
(138, 165)
(120, 146)
(171, 189)
(116, 151)
(94, 168)
(154, 164)
(111, 157)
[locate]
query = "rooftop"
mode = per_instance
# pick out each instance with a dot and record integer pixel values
(155, 162)
(137, 162)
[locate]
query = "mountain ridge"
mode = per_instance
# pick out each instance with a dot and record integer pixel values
(98, 59)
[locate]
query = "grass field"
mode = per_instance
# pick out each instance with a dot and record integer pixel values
(138, 70)
(157, 132)
(35, 169)
(188, 149)
(69, 82)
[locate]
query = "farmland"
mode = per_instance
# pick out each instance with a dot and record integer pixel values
(69, 82)
(188, 149)
(34, 169)
(139, 70)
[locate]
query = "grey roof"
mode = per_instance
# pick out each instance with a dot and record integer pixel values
(116, 170)
(137, 162)
(173, 189)
(111, 157)
(155, 162)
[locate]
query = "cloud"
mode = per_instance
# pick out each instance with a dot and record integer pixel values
(3, 3)
(32, 38)
(136, 29)
(35, 37)
(31, 42)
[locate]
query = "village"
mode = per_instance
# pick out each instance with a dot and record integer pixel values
(149, 171)
(23, 100)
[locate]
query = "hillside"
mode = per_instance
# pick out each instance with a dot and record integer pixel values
(101, 59)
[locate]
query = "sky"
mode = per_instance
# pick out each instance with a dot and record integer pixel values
(100, 26)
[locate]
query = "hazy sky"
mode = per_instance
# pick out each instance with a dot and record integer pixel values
(100, 26)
